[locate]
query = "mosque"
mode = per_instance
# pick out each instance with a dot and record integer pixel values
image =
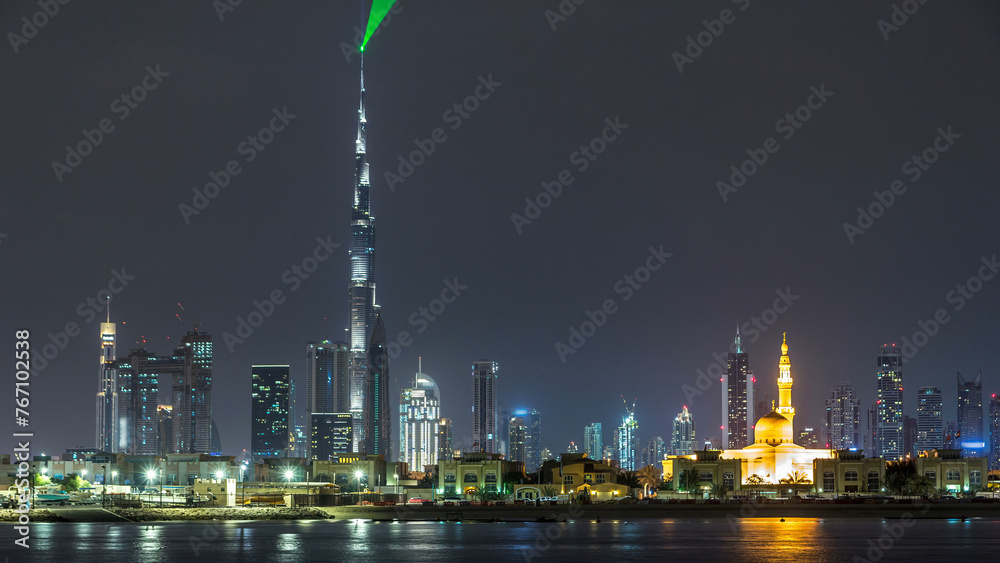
(774, 454)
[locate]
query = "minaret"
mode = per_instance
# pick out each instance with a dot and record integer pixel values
(361, 289)
(785, 382)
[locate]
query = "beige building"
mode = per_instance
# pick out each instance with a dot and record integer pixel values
(948, 470)
(849, 472)
(710, 467)
(460, 476)
(577, 474)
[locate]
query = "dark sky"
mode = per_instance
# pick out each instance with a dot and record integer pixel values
(654, 185)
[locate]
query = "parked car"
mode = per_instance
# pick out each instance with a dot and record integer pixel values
(415, 500)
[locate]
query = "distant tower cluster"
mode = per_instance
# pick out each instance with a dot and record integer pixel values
(995, 432)
(889, 404)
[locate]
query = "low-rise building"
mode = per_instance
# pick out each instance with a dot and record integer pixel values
(463, 475)
(710, 467)
(948, 470)
(579, 475)
(849, 472)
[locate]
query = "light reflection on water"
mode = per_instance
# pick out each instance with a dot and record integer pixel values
(581, 540)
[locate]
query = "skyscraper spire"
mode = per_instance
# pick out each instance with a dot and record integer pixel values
(738, 349)
(361, 287)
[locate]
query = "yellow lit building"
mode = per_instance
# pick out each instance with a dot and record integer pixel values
(774, 454)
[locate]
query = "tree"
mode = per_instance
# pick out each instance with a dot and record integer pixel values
(901, 478)
(629, 478)
(690, 482)
(796, 478)
(650, 478)
(548, 491)
(720, 490)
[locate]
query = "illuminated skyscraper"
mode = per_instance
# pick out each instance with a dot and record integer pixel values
(270, 401)
(331, 435)
(970, 415)
(138, 390)
(628, 441)
(377, 417)
(889, 430)
(361, 289)
(843, 419)
(532, 439)
(738, 399)
(930, 419)
(484, 406)
(518, 438)
(682, 441)
(419, 422)
(655, 451)
(994, 432)
(192, 395)
(328, 380)
(593, 441)
(107, 391)
(445, 450)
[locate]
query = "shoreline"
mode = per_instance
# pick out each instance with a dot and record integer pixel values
(607, 513)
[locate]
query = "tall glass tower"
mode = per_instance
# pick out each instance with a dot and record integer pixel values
(930, 420)
(995, 432)
(682, 440)
(628, 442)
(361, 289)
(593, 441)
(970, 415)
(738, 391)
(419, 422)
(270, 399)
(484, 406)
(889, 416)
(107, 391)
(192, 395)
(843, 419)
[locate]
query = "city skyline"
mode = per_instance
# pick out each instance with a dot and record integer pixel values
(303, 172)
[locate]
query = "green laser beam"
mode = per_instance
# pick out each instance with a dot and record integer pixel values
(380, 8)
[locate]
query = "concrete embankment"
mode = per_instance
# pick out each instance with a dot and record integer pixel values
(608, 512)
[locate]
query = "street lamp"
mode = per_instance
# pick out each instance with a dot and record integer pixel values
(357, 479)
(243, 483)
(150, 477)
(104, 486)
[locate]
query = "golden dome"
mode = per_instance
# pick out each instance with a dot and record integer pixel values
(784, 343)
(773, 428)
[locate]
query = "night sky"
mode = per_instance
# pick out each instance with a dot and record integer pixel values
(655, 185)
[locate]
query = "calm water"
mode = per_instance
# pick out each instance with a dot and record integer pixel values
(579, 541)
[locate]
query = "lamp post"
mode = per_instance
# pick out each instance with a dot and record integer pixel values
(243, 482)
(104, 488)
(357, 479)
(150, 477)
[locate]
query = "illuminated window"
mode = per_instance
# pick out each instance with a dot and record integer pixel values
(828, 484)
(873, 484)
(975, 479)
(850, 476)
(953, 475)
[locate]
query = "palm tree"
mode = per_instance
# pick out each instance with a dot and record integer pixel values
(796, 478)
(720, 490)
(649, 478)
(690, 482)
